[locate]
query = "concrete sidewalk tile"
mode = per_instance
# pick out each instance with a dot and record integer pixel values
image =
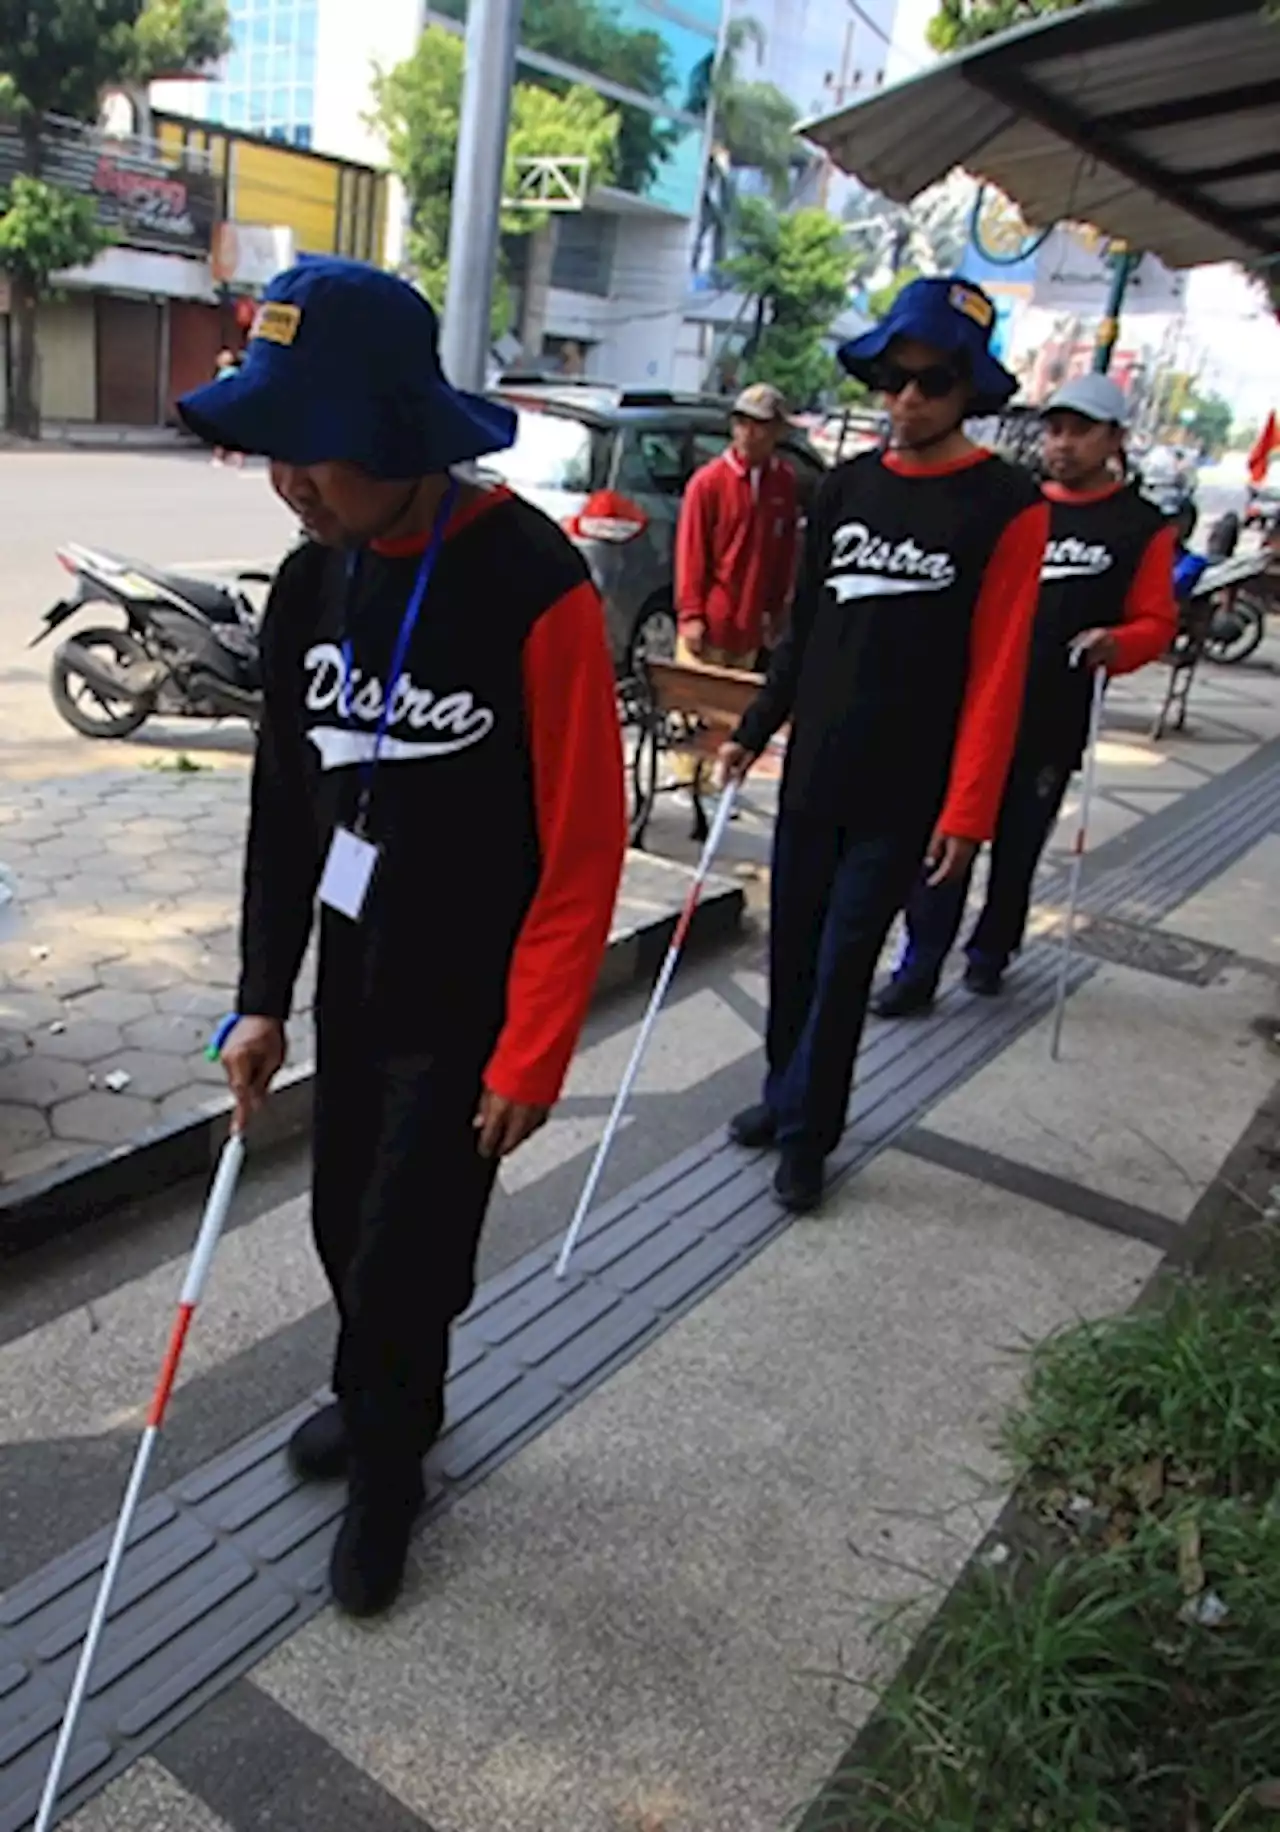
(1155, 1082)
(642, 1612)
(146, 1799)
(1241, 909)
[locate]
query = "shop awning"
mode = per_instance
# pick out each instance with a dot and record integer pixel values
(1158, 121)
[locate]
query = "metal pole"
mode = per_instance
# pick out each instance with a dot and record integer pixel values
(1123, 266)
(616, 1112)
(492, 32)
(215, 1215)
(1077, 861)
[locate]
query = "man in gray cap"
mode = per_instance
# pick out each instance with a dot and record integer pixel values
(1106, 601)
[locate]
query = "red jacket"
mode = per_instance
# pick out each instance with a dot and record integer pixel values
(736, 550)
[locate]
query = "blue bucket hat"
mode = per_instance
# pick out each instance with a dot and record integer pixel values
(951, 314)
(343, 363)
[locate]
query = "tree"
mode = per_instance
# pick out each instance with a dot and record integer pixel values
(752, 130)
(796, 268)
(589, 35)
(57, 57)
(176, 38)
(960, 23)
(417, 107)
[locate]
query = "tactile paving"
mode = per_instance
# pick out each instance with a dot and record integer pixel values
(230, 1560)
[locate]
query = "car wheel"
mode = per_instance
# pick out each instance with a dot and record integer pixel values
(654, 638)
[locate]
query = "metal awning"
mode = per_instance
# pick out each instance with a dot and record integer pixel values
(1158, 121)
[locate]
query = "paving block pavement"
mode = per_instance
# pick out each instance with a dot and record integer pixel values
(126, 956)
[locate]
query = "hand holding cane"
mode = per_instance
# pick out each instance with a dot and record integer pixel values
(1077, 861)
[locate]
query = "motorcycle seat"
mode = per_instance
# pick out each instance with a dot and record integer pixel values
(214, 601)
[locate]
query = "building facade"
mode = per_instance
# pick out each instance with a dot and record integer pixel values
(200, 217)
(609, 283)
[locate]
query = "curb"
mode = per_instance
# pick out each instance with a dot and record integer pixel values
(40, 1209)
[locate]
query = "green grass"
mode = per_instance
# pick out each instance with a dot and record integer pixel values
(1120, 1672)
(1191, 1384)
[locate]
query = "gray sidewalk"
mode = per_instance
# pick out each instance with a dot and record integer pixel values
(126, 957)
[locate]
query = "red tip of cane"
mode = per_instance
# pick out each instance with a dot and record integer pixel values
(169, 1372)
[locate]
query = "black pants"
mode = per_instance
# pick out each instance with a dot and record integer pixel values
(1032, 800)
(398, 1201)
(833, 898)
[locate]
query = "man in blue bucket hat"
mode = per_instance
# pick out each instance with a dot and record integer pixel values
(439, 769)
(902, 677)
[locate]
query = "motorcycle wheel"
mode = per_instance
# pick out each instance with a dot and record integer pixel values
(1236, 630)
(83, 708)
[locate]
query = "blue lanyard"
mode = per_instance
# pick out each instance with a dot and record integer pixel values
(408, 622)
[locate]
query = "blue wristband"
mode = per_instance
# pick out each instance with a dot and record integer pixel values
(214, 1048)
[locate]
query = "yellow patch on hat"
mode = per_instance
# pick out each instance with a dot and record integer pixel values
(276, 323)
(974, 305)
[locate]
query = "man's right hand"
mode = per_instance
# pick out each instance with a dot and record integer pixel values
(694, 637)
(735, 761)
(253, 1055)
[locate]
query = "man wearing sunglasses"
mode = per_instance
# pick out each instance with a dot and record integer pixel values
(901, 675)
(1106, 601)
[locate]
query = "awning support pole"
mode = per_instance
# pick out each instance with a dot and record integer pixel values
(1124, 264)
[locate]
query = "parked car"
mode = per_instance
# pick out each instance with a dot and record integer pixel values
(610, 465)
(846, 431)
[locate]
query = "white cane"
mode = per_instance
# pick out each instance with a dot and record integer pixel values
(215, 1215)
(719, 823)
(1077, 861)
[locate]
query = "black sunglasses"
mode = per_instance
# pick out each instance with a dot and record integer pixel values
(934, 382)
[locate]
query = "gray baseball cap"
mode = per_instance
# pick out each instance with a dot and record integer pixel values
(1093, 397)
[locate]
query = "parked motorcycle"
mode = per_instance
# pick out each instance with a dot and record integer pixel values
(188, 649)
(1239, 614)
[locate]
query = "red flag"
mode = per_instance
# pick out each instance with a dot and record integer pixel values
(1268, 441)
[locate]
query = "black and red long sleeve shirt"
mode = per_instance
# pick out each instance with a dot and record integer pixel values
(903, 669)
(497, 801)
(1108, 565)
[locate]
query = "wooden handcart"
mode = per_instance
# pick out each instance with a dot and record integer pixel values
(680, 710)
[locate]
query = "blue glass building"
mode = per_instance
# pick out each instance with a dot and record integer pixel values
(267, 84)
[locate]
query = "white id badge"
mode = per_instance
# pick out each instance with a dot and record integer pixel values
(348, 873)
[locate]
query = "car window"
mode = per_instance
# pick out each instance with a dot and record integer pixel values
(551, 452)
(708, 444)
(654, 460)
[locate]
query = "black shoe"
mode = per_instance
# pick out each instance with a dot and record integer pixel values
(798, 1180)
(366, 1568)
(905, 998)
(986, 981)
(754, 1127)
(318, 1450)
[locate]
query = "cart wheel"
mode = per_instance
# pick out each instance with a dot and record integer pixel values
(644, 773)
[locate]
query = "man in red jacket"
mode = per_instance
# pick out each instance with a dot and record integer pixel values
(736, 546)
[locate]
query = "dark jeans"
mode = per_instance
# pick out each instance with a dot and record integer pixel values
(833, 898)
(398, 1201)
(1032, 799)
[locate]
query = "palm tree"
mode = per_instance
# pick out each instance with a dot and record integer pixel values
(752, 130)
